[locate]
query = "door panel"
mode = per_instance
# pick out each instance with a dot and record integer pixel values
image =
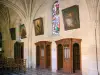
(60, 56)
(76, 57)
(22, 50)
(48, 56)
(42, 56)
(67, 59)
(37, 56)
(19, 50)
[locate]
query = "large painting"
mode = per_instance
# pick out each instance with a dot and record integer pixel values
(71, 17)
(22, 31)
(38, 25)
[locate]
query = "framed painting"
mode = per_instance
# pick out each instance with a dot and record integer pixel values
(13, 33)
(22, 31)
(38, 26)
(71, 17)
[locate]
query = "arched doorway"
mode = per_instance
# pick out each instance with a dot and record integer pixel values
(37, 56)
(59, 57)
(19, 50)
(76, 57)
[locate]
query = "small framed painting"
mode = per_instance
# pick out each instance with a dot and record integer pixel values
(22, 31)
(38, 26)
(13, 33)
(71, 17)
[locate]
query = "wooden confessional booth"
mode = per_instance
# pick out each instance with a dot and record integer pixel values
(69, 55)
(43, 54)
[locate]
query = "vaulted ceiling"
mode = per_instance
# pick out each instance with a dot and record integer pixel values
(24, 8)
(7, 20)
(11, 10)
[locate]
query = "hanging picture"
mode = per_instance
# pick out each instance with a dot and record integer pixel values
(22, 31)
(13, 33)
(38, 25)
(71, 17)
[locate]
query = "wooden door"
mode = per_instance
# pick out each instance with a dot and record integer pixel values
(60, 57)
(42, 56)
(76, 57)
(67, 65)
(48, 56)
(19, 50)
(37, 56)
(22, 50)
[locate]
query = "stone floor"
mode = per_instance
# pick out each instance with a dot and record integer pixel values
(38, 72)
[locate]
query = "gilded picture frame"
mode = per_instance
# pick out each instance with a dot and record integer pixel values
(71, 18)
(22, 31)
(38, 26)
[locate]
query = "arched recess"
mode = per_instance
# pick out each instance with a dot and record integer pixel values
(76, 57)
(19, 50)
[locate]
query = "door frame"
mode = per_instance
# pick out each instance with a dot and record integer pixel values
(78, 41)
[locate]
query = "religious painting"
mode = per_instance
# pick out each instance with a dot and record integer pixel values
(13, 33)
(71, 18)
(38, 25)
(22, 31)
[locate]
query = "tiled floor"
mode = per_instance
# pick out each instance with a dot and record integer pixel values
(45, 72)
(40, 72)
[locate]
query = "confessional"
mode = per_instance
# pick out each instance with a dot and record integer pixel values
(43, 54)
(69, 55)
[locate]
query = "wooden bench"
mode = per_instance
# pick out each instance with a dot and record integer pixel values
(13, 64)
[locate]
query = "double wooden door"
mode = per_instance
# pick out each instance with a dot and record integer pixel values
(43, 54)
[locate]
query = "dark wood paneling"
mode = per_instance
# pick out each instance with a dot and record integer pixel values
(45, 61)
(68, 63)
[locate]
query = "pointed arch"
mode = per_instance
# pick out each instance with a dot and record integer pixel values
(14, 7)
(55, 18)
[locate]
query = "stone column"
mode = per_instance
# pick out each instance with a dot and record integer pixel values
(93, 12)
